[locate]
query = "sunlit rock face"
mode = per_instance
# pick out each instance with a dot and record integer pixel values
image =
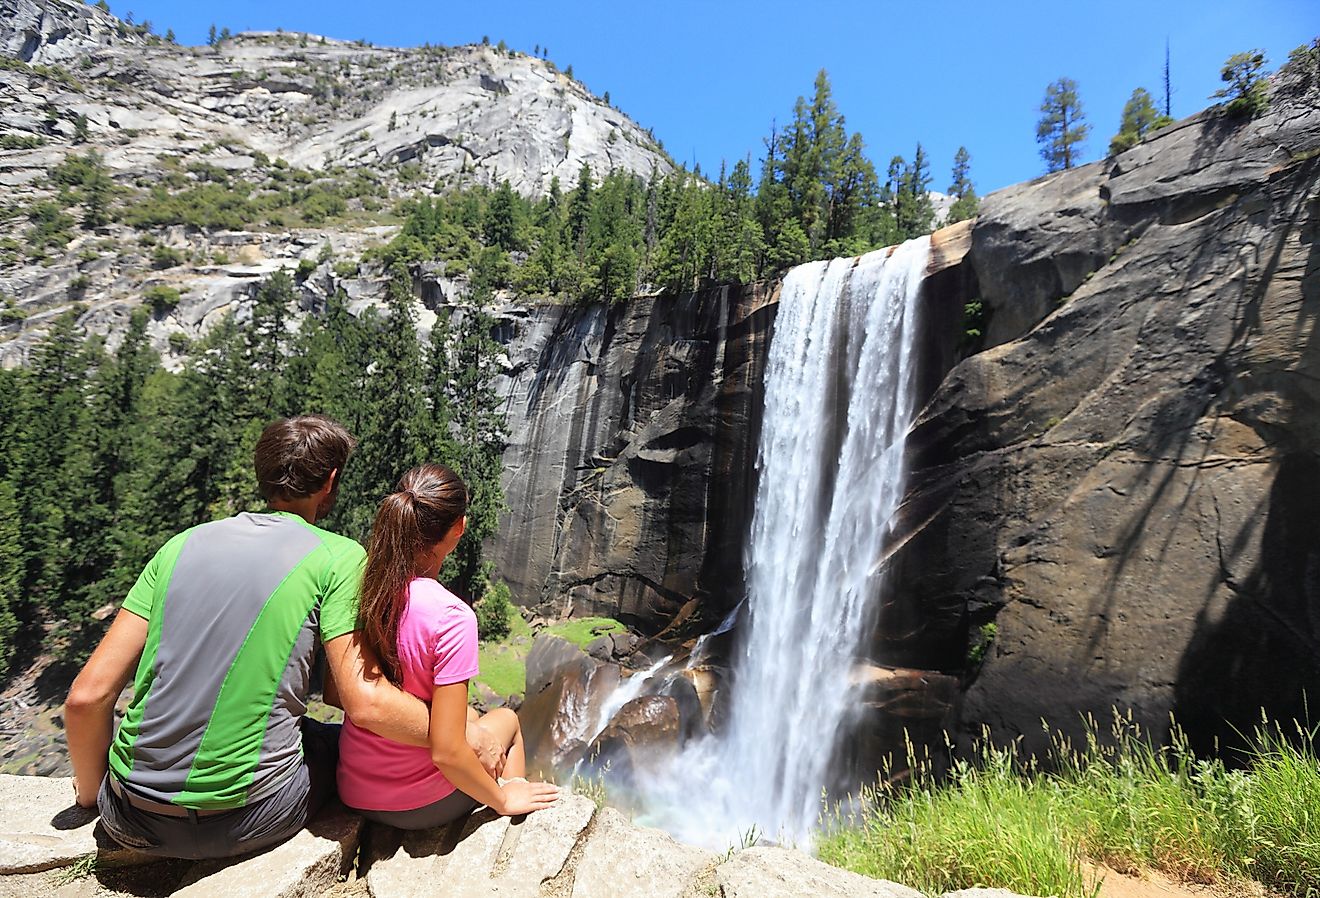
(1108, 506)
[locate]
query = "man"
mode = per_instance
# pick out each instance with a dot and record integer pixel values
(214, 756)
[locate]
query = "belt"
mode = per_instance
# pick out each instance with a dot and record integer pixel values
(160, 807)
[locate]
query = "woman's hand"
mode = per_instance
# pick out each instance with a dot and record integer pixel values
(522, 797)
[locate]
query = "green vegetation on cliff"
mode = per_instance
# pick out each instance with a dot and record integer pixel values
(615, 233)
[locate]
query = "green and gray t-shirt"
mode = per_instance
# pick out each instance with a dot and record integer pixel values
(233, 608)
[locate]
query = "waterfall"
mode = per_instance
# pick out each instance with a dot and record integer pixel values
(838, 400)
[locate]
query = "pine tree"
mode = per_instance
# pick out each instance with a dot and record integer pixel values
(813, 147)
(1168, 85)
(502, 224)
(46, 474)
(1062, 128)
(1247, 91)
(11, 574)
(211, 36)
(965, 200)
(739, 244)
(685, 250)
(478, 433)
(97, 189)
(913, 211)
(215, 404)
(1140, 117)
(786, 243)
(394, 431)
(579, 211)
(94, 526)
(265, 342)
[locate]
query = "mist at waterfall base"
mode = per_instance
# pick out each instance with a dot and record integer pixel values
(838, 401)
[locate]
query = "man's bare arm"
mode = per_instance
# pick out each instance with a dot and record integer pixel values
(369, 699)
(376, 704)
(89, 710)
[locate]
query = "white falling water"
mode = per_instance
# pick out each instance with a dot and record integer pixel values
(625, 692)
(838, 400)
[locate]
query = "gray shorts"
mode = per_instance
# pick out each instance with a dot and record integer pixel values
(254, 827)
(448, 809)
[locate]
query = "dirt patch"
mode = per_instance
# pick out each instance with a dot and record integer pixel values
(1152, 884)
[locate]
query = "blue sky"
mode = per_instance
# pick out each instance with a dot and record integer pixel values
(709, 77)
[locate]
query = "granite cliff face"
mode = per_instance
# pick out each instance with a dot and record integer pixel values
(1113, 503)
(629, 470)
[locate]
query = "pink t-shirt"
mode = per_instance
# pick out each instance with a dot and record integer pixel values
(437, 646)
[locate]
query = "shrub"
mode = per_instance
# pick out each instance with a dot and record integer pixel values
(162, 299)
(493, 612)
(20, 141)
(50, 226)
(179, 343)
(206, 206)
(305, 269)
(166, 257)
(11, 313)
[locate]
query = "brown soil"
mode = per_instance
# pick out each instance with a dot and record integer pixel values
(1151, 884)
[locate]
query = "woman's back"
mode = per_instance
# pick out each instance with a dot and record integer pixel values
(437, 643)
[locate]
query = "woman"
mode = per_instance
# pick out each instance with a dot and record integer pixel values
(426, 640)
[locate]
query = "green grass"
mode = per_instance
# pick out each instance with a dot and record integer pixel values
(503, 668)
(1000, 821)
(504, 664)
(579, 632)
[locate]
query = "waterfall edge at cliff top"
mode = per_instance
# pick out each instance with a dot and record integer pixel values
(839, 396)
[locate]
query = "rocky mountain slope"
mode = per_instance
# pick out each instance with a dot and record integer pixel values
(268, 111)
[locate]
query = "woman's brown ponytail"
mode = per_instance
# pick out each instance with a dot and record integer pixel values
(428, 501)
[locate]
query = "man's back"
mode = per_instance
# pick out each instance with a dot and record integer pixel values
(235, 609)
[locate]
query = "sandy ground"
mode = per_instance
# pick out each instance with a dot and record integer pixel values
(1156, 885)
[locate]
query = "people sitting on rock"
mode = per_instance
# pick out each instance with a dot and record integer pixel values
(426, 640)
(215, 756)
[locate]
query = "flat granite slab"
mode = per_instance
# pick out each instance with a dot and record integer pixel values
(483, 855)
(41, 828)
(781, 873)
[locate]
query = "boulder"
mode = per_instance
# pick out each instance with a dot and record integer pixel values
(549, 657)
(623, 859)
(641, 736)
(783, 873)
(484, 855)
(562, 712)
(601, 648)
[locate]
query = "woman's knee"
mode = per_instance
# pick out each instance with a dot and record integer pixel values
(502, 720)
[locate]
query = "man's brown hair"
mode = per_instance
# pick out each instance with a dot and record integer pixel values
(294, 456)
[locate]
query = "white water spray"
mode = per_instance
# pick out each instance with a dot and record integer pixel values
(838, 401)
